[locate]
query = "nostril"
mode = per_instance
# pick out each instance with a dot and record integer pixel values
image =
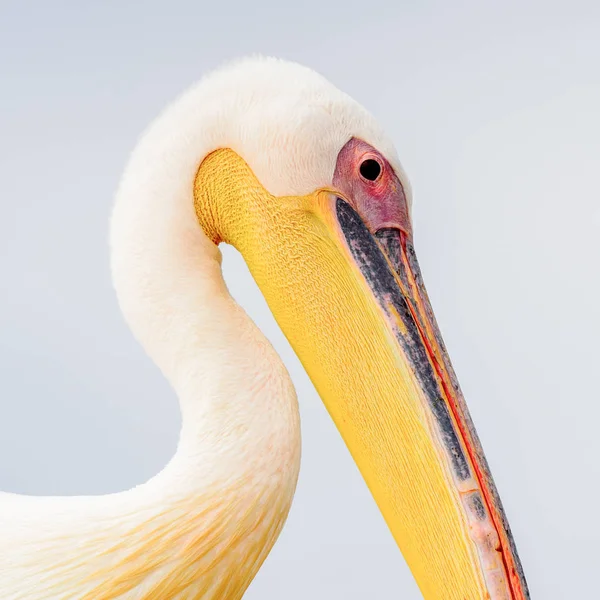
(370, 169)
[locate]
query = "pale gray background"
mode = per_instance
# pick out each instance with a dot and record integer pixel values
(495, 110)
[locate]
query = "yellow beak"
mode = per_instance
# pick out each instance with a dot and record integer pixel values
(353, 306)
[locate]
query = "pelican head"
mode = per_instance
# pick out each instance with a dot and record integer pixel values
(269, 157)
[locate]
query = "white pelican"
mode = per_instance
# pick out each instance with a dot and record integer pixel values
(268, 156)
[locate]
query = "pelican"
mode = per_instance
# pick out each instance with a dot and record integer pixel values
(268, 156)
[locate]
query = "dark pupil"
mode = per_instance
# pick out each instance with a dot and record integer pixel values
(370, 169)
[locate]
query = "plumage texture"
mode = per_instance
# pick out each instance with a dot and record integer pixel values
(201, 527)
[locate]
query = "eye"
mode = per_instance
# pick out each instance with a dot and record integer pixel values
(370, 169)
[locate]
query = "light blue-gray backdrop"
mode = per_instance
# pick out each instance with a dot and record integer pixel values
(495, 111)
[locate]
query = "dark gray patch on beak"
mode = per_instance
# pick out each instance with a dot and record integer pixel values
(375, 269)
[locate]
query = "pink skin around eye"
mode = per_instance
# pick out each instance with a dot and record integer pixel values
(381, 203)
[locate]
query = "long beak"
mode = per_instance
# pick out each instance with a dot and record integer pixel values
(391, 271)
(352, 304)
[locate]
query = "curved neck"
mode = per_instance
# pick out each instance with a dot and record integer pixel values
(168, 278)
(238, 456)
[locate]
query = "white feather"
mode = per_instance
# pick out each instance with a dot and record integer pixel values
(238, 446)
